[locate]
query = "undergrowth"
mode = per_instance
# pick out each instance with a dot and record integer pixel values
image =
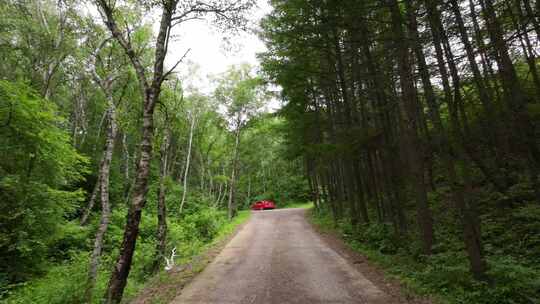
(65, 282)
(445, 274)
(296, 204)
(164, 286)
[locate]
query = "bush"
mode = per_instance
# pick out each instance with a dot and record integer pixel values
(380, 237)
(446, 272)
(63, 283)
(38, 169)
(511, 281)
(206, 223)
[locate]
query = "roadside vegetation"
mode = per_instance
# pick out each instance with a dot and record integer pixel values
(111, 160)
(419, 127)
(444, 277)
(191, 235)
(302, 205)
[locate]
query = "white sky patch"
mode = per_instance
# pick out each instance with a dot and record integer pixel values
(210, 56)
(208, 50)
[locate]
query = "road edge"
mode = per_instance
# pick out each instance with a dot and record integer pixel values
(391, 286)
(166, 286)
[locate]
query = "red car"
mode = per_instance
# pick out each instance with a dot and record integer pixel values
(263, 205)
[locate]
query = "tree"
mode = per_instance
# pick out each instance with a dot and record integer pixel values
(150, 86)
(395, 111)
(410, 124)
(193, 113)
(242, 95)
(171, 103)
(39, 171)
(106, 84)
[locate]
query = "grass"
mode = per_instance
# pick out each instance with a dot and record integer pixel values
(229, 228)
(444, 276)
(164, 286)
(395, 266)
(303, 205)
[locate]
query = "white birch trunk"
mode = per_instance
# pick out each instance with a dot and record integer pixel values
(188, 159)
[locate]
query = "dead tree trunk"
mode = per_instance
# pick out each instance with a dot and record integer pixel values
(188, 160)
(231, 206)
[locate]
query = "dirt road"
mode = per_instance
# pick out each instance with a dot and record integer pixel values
(278, 258)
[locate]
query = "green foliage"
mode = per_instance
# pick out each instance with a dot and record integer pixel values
(445, 274)
(52, 112)
(268, 172)
(205, 223)
(381, 237)
(38, 171)
(241, 92)
(512, 281)
(71, 238)
(521, 241)
(63, 283)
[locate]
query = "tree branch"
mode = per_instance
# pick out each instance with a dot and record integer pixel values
(175, 65)
(107, 15)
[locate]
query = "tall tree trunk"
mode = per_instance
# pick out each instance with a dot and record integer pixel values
(188, 160)
(485, 96)
(150, 91)
(487, 65)
(231, 205)
(92, 201)
(526, 44)
(469, 219)
(104, 170)
(202, 177)
(122, 268)
(126, 163)
(516, 98)
(534, 17)
(408, 109)
(161, 234)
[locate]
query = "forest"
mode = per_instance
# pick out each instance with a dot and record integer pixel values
(418, 125)
(412, 126)
(109, 159)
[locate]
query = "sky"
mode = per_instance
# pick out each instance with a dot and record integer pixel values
(208, 51)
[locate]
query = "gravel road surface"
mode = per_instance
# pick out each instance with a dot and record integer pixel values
(277, 258)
